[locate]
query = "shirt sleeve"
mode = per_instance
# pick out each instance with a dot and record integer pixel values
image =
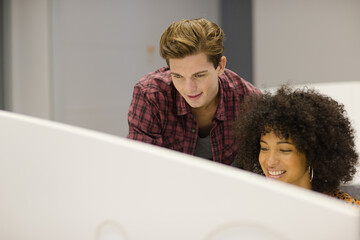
(346, 197)
(143, 118)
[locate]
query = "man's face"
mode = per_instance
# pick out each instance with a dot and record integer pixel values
(196, 79)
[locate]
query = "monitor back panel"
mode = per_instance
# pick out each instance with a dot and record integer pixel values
(63, 182)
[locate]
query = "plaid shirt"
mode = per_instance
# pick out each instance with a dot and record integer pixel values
(159, 115)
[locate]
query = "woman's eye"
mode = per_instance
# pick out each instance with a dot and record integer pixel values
(264, 149)
(285, 150)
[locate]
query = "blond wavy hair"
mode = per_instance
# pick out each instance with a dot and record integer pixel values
(192, 36)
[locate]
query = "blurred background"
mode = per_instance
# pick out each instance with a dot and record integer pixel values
(76, 61)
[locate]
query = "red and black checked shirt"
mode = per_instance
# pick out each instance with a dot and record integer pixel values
(159, 115)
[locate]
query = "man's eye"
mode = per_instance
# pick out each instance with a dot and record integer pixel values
(285, 150)
(176, 76)
(199, 75)
(263, 149)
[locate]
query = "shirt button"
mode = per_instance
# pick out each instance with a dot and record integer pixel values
(193, 130)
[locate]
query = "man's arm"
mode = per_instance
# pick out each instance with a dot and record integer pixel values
(143, 119)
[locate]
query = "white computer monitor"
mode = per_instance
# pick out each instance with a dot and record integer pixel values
(64, 182)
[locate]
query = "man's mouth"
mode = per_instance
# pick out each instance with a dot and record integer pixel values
(193, 97)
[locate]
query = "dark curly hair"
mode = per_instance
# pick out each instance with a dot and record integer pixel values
(317, 125)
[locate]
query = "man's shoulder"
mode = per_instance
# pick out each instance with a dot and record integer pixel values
(233, 82)
(159, 80)
(156, 86)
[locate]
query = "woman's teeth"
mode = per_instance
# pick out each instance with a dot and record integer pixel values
(275, 172)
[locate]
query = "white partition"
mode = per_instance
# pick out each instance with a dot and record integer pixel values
(63, 182)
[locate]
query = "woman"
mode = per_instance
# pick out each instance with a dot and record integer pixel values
(300, 137)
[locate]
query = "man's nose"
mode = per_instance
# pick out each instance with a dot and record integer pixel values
(190, 85)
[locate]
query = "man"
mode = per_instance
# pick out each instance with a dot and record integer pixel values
(190, 105)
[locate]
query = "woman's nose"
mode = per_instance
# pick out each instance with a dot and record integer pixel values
(273, 159)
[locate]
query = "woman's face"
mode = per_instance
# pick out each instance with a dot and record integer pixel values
(280, 160)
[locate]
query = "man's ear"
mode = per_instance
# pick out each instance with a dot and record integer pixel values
(222, 65)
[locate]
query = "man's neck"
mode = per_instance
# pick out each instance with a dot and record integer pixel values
(204, 117)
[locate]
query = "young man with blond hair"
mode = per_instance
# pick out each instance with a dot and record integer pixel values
(190, 105)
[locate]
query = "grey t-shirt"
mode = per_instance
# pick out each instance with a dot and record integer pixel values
(203, 148)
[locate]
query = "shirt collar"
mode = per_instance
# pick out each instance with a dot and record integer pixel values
(220, 112)
(182, 106)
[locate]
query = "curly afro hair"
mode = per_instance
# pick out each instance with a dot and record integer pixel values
(317, 125)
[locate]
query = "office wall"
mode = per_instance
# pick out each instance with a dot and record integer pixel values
(102, 48)
(236, 21)
(77, 61)
(308, 41)
(1, 54)
(27, 59)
